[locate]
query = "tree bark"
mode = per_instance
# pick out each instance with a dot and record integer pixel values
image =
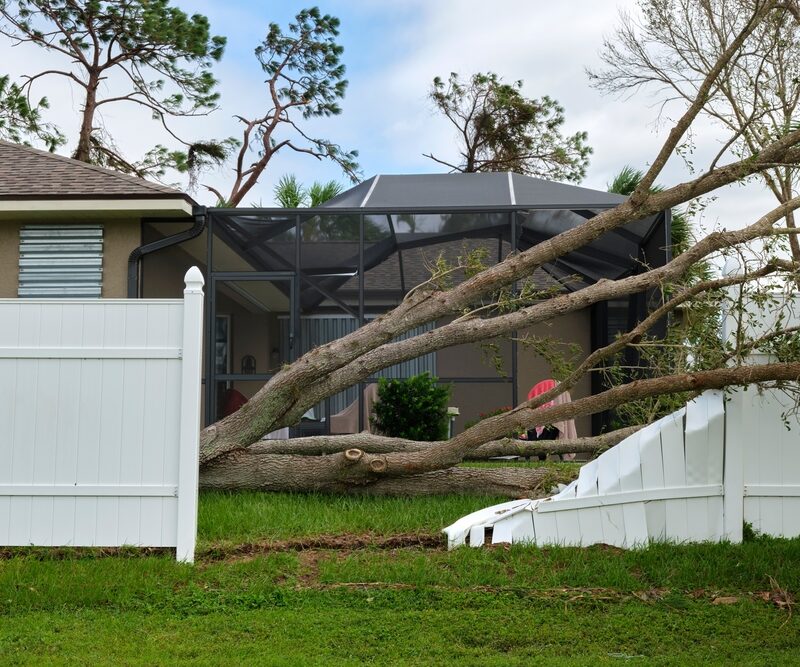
(589, 445)
(83, 149)
(368, 467)
(354, 471)
(251, 470)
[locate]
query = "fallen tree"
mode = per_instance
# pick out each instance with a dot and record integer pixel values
(377, 444)
(233, 454)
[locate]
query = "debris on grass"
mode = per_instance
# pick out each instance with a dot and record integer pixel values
(725, 599)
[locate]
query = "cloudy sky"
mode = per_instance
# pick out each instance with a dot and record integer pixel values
(392, 52)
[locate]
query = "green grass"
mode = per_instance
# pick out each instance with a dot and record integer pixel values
(499, 606)
(233, 518)
(715, 568)
(502, 633)
(508, 633)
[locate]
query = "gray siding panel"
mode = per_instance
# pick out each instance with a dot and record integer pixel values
(60, 261)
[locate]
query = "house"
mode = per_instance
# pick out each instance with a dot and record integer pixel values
(281, 281)
(67, 228)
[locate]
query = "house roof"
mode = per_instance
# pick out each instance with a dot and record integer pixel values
(31, 174)
(483, 190)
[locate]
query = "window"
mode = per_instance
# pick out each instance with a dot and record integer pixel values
(61, 261)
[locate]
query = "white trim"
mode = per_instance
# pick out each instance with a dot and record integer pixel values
(90, 353)
(84, 490)
(647, 495)
(175, 205)
(511, 193)
(771, 491)
(369, 192)
(89, 302)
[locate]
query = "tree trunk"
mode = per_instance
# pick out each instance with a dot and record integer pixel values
(83, 150)
(252, 470)
(356, 471)
(244, 184)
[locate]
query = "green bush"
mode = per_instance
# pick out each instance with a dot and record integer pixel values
(415, 408)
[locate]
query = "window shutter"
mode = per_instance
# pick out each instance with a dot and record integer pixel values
(60, 261)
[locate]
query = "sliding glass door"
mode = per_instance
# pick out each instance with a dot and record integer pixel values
(252, 334)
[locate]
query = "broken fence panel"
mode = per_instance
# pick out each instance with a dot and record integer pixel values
(691, 476)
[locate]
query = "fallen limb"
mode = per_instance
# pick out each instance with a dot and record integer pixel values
(452, 452)
(319, 445)
(324, 371)
(588, 445)
(512, 482)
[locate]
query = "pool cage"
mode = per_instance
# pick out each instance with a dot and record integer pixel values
(283, 281)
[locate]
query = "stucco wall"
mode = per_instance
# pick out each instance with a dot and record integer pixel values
(162, 271)
(252, 333)
(9, 259)
(120, 237)
(571, 328)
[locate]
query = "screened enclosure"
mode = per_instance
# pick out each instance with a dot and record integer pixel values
(283, 281)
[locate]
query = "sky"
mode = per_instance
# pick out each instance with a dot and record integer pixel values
(392, 51)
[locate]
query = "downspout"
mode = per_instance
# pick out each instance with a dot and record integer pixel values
(199, 213)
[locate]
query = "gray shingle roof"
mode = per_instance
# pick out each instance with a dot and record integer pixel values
(28, 173)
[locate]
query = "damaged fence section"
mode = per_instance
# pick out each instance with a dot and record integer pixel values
(696, 475)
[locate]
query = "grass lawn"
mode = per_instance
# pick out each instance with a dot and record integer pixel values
(315, 580)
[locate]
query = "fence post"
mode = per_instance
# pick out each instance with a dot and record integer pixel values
(733, 474)
(733, 452)
(189, 454)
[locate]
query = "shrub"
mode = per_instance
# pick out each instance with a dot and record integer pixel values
(415, 408)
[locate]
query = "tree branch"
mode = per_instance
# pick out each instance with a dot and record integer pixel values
(378, 444)
(523, 417)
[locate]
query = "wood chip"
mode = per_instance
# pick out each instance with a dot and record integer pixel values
(730, 599)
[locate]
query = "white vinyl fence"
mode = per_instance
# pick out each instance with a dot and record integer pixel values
(99, 420)
(696, 475)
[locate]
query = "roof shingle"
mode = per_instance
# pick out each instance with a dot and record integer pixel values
(28, 173)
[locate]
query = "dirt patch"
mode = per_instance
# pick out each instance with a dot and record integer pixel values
(339, 543)
(308, 572)
(81, 553)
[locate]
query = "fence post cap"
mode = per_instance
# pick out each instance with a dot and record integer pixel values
(194, 280)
